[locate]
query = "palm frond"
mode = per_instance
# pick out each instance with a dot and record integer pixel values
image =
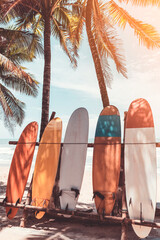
(26, 21)
(18, 84)
(106, 39)
(12, 107)
(62, 16)
(20, 55)
(7, 5)
(74, 6)
(14, 42)
(63, 36)
(77, 25)
(145, 32)
(32, 22)
(54, 5)
(107, 72)
(70, 14)
(18, 7)
(142, 3)
(9, 72)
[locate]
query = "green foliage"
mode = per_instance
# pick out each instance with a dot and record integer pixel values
(67, 21)
(16, 47)
(142, 3)
(59, 17)
(104, 16)
(146, 33)
(63, 14)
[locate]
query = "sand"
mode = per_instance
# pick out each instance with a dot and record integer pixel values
(49, 229)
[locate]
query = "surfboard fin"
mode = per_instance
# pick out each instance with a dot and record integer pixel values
(18, 201)
(33, 202)
(98, 194)
(141, 212)
(5, 200)
(66, 209)
(130, 201)
(9, 212)
(36, 213)
(76, 191)
(103, 212)
(60, 193)
(113, 195)
(44, 202)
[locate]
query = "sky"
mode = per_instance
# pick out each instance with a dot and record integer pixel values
(74, 88)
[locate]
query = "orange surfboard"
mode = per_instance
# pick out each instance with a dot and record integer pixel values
(20, 167)
(106, 159)
(46, 165)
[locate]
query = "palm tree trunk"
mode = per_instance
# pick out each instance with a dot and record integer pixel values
(95, 55)
(47, 74)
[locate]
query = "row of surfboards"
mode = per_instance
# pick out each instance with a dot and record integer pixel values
(139, 156)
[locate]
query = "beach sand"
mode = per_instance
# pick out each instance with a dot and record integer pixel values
(48, 229)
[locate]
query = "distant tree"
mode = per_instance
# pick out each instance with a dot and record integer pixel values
(15, 48)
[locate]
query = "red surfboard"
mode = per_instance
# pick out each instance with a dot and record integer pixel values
(20, 167)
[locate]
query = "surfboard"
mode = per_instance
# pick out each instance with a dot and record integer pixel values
(106, 159)
(73, 158)
(46, 165)
(20, 167)
(140, 164)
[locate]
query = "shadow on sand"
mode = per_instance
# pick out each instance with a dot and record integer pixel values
(48, 228)
(59, 229)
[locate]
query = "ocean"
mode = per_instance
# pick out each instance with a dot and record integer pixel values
(7, 151)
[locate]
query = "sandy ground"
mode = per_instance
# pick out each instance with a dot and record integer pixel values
(48, 229)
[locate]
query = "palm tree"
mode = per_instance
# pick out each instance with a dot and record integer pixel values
(56, 17)
(15, 48)
(101, 18)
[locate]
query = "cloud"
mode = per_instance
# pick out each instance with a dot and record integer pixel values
(82, 79)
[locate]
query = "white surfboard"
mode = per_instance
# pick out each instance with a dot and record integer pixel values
(140, 165)
(73, 158)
